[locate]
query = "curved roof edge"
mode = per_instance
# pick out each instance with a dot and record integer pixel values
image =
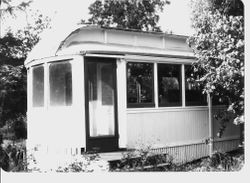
(61, 42)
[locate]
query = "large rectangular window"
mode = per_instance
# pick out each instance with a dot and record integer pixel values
(60, 79)
(140, 86)
(193, 89)
(38, 86)
(169, 85)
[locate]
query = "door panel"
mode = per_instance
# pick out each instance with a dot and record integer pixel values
(101, 106)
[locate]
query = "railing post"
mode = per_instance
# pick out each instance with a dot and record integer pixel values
(210, 121)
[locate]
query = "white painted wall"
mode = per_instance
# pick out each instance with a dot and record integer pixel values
(59, 126)
(167, 127)
(164, 127)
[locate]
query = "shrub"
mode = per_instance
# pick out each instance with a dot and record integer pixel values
(20, 127)
(13, 157)
(142, 159)
(232, 161)
(223, 162)
(85, 163)
(13, 93)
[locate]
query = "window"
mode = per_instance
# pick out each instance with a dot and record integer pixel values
(140, 86)
(169, 85)
(60, 79)
(193, 90)
(38, 86)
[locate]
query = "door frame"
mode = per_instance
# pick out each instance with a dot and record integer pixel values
(102, 141)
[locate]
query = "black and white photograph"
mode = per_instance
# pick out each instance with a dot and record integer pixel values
(117, 86)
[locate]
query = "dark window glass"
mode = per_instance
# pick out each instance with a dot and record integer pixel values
(140, 92)
(107, 85)
(60, 78)
(38, 86)
(169, 85)
(193, 89)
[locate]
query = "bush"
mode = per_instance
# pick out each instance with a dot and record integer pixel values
(15, 129)
(20, 127)
(13, 156)
(224, 162)
(85, 163)
(13, 95)
(231, 161)
(143, 159)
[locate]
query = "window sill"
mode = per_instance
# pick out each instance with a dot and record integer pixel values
(166, 109)
(143, 106)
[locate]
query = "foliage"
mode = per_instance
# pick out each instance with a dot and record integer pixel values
(9, 8)
(16, 128)
(11, 50)
(224, 117)
(30, 35)
(143, 159)
(127, 14)
(218, 45)
(232, 161)
(86, 163)
(19, 127)
(14, 49)
(13, 157)
(228, 7)
(221, 162)
(13, 92)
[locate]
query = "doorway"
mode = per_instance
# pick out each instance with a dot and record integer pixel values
(101, 104)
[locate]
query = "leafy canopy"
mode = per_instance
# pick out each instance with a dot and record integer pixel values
(14, 49)
(127, 14)
(218, 45)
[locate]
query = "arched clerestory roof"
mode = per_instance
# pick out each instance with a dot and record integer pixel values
(96, 39)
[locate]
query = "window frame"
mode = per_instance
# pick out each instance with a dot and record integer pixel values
(48, 82)
(155, 61)
(186, 102)
(141, 105)
(180, 85)
(32, 85)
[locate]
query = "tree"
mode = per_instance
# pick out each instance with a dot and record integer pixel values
(228, 7)
(14, 49)
(218, 44)
(7, 8)
(13, 92)
(127, 14)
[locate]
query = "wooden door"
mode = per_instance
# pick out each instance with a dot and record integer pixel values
(101, 104)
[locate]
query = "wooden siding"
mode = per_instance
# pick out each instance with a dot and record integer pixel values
(180, 132)
(167, 127)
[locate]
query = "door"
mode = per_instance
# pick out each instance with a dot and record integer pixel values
(101, 104)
